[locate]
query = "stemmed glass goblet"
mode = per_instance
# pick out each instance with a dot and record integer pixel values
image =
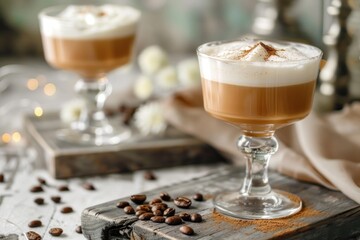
(90, 41)
(258, 95)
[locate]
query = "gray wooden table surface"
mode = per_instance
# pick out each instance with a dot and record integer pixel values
(17, 202)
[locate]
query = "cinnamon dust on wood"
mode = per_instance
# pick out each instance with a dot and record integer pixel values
(277, 226)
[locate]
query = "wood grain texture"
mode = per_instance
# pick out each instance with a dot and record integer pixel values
(66, 160)
(326, 215)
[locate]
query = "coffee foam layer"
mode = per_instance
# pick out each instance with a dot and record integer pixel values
(90, 22)
(249, 63)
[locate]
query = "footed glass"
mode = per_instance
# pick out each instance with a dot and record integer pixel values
(90, 41)
(258, 97)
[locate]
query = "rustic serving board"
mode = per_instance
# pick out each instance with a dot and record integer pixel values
(65, 160)
(326, 215)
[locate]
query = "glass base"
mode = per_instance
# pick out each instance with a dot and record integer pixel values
(117, 135)
(276, 204)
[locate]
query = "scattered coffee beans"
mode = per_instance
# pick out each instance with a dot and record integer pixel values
(36, 189)
(35, 223)
(138, 198)
(185, 216)
(195, 217)
(122, 204)
(186, 230)
(198, 197)
(129, 210)
(173, 220)
(182, 202)
(158, 219)
(146, 216)
(149, 175)
(41, 180)
(63, 188)
(169, 212)
(55, 232)
(145, 208)
(39, 201)
(89, 186)
(55, 199)
(155, 200)
(78, 229)
(67, 210)
(165, 196)
(31, 235)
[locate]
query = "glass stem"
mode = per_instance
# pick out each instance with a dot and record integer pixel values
(92, 118)
(257, 151)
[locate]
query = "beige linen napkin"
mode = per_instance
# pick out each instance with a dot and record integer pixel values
(323, 150)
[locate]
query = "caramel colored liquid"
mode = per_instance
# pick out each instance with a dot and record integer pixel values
(258, 109)
(90, 58)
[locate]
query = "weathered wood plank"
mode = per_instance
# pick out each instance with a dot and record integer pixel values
(65, 160)
(327, 214)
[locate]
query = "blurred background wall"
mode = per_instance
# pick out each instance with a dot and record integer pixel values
(179, 26)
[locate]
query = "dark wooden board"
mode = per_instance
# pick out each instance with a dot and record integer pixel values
(326, 215)
(65, 160)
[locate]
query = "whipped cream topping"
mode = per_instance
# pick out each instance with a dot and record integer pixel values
(259, 63)
(89, 22)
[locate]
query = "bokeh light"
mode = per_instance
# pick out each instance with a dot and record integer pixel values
(16, 137)
(38, 111)
(6, 137)
(50, 89)
(32, 84)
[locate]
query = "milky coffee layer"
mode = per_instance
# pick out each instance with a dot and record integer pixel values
(259, 64)
(90, 22)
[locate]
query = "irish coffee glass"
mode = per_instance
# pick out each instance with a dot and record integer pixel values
(91, 53)
(258, 97)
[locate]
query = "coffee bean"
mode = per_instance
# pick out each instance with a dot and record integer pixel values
(173, 220)
(149, 175)
(158, 219)
(2, 178)
(129, 210)
(35, 223)
(138, 198)
(186, 230)
(36, 189)
(185, 216)
(158, 213)
(195, 217)
(55, 199)
(39, 201)
(122, 204)
(78, 229)
(182, 202)
(155, 200)
(138, 213)
(169, 212)
(198, 197)
(66, 210)
(41, 180)
(146, 216)
(159, 206)
(145, 208)
(63, 188)
(89, 186)
(55, 232)
(165, 196)
(31, 235)
(127, 113)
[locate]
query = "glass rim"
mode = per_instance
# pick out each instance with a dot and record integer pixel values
(44, 13)
(319, 52)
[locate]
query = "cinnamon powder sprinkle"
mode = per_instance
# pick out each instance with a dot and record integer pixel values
(270, 51)
(278, 226)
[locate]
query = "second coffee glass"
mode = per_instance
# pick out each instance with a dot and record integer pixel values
(90, 41)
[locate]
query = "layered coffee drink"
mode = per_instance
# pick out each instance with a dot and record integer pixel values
(89, 40)
(259, 86)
